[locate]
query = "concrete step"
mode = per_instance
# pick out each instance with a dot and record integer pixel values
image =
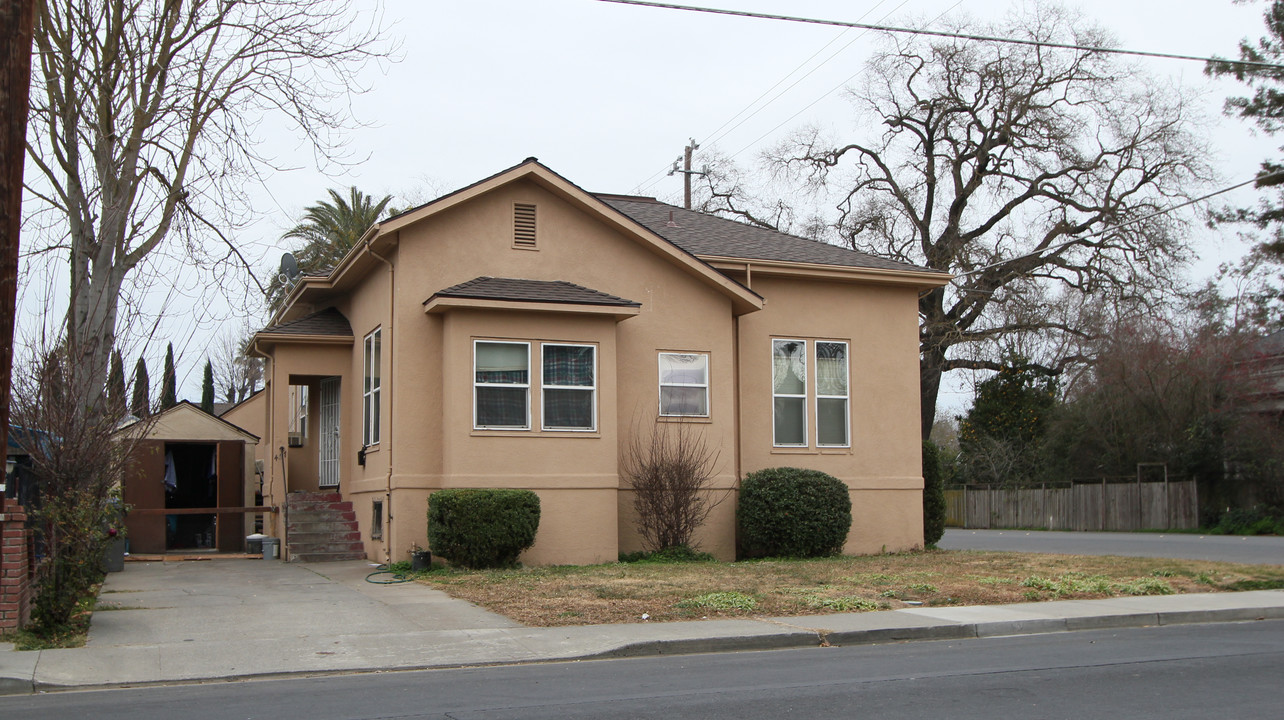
(325, 536)
(311, 527)
(322, 516)
(313, 557)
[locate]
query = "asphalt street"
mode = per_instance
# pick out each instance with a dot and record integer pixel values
(1259, 550)
(1185, 671)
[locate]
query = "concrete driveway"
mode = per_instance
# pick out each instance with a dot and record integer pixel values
(188, 619)
(1260, 550)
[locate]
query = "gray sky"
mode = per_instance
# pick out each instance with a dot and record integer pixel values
(607, 95)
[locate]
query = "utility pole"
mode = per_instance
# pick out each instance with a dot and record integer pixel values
(686, 171)
(16, 19)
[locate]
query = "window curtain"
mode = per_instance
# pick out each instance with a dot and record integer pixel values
(789, 368)
(831, 368)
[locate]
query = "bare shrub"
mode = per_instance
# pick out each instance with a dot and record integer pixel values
(670, 468)
(78, 461)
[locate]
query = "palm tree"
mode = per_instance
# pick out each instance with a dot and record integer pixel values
(328, 230)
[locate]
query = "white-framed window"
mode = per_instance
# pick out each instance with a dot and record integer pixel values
(789, 393)
(569, 387)
(371, 388)
(501, 385)
(832, 394)
(684, 384)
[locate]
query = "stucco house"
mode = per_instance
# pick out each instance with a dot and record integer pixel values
(519, 331)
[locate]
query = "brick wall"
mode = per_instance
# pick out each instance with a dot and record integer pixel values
(15, 566)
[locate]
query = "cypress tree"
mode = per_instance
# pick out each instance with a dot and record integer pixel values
(207, 389)
(169, 382)
(141, 404)
(116, 384)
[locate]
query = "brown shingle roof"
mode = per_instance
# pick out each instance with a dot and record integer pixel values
(326, 322)
(557, 291)
(707, 236)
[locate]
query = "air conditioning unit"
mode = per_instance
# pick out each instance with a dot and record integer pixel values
(296, 439)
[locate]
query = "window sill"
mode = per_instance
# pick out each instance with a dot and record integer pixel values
(701, 419)
(811, 451)
(537, 433)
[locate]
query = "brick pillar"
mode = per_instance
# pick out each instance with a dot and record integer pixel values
(15, 566)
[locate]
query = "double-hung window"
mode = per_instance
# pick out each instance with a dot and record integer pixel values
(569, 387)
(792, 364)
(370, 389)
(502, 385)
(832, 394)
(684, 384)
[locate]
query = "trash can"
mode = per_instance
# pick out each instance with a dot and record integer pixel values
(254, 543)
(420, 560)
(271, 548)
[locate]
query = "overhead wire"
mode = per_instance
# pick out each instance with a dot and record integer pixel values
(946, 34)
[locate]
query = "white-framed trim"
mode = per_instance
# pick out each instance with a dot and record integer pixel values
(371, 387)
(846, 398)
(708, 407)
(510, 386)
(807, 372)
(591, 389)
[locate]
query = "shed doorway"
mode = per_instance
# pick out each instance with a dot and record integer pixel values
(191, 482)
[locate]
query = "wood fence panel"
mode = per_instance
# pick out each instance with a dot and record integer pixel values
(955, 508)
(1093, 506)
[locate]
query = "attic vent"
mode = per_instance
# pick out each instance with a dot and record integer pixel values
(523, 225)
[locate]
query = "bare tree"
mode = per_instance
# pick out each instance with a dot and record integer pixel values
(145, 120)
(236, 375)
(1033, 174)
(670, 468)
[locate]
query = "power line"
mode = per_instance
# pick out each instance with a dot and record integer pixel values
(944, 34)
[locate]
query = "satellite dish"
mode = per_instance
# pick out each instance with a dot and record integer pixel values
(289, 269)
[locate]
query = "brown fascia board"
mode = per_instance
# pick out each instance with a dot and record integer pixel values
(440, 304)
(294, 338)
(924, 279)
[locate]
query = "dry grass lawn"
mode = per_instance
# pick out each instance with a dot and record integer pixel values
(622, 593)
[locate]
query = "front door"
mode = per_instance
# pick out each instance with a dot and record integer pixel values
(328, 434)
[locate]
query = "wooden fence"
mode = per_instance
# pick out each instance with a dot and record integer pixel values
(1096, 505)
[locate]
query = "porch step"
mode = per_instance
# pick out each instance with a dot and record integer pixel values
(322, 527)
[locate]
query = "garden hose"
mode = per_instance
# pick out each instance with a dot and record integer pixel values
(397, 577)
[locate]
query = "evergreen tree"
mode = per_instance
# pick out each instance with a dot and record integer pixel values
(141, 404)
(116, 383)
(1001, 437)
(207, 389)
(1265, 108)
(169, 382)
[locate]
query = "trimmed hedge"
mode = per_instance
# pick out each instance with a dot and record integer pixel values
(482, 528)
(933, 495)
(792, 512)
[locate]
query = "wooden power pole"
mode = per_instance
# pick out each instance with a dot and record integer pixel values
(16, 18)
(686, 171)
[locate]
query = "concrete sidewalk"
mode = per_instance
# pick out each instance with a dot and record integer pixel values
(233, 619)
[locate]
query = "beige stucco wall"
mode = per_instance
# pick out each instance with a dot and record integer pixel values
(883, 465)
(428, 441)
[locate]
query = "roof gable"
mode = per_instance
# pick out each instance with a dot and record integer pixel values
(186, 421)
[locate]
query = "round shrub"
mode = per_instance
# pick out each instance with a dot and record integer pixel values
(933, 495)
(482, 528)
(791, 512)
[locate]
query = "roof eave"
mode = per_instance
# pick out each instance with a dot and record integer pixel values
(438, 304)
(883, 276)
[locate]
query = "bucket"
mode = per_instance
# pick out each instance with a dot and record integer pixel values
(271, 548)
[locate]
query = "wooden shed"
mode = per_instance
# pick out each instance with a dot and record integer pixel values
(191, 485)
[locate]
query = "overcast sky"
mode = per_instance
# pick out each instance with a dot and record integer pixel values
(607, 95)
